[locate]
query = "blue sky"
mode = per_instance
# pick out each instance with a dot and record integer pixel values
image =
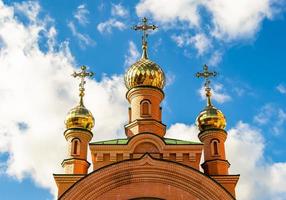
(42, 42)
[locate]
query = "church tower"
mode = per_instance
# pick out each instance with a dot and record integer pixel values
(79, 123)
(145, 81)
(211, 123)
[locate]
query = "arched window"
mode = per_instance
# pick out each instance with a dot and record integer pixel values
(145, 108)
(214, 147)
(75, 150)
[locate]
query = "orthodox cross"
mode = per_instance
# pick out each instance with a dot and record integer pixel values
(206, 74)
(144, 28)
(82, 75)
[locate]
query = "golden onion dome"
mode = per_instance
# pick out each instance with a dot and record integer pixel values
(79, 117)
(211, 118)
(144, 72)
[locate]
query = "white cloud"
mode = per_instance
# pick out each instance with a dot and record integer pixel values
(84, 40)
(183, 132)
(81, 14)
(259, 178)
(111, 91)
(30, 9)
(239, 19)
(37, 91)
(180, 39)
(281, 88)
(215, 58)
(199, 41)
(107, 26)
(132, 55)
(230, 20)
(166, 11)
(272, 116)
(244, 150)
(119, 10)
(219, 94)
(264, 115)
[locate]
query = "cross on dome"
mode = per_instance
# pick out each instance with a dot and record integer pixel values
(82, 75)
(206, 74)
(144, 28)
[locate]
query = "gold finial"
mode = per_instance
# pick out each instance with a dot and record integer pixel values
(82, 75)
(144, 28)
(206, 74)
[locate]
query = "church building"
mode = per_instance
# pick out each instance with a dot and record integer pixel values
(145, 165)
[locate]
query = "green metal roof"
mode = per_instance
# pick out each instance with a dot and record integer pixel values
(115, 141)
(175, 141)
(125, 141)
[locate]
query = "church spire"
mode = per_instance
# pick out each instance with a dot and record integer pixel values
(211, 123)
(79, 123)
(144, 28)
(145, 81)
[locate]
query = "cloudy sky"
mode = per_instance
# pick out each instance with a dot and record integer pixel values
(43, 42)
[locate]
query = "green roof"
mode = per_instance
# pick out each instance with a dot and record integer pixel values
(115, 141)
(125, 141)
(175, 141)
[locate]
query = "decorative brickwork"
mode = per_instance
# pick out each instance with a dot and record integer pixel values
(147, 177)
(104, 154)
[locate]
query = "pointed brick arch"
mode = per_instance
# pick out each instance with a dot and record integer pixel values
(147, 177)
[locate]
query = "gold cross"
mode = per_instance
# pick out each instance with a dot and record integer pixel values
(144, 28)
(206, 74)
(82, 75)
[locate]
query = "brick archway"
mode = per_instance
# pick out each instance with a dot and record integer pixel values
(147, 177)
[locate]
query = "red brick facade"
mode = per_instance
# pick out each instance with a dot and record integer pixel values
(147, 177)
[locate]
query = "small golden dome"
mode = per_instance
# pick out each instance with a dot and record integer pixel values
(144, 73)
(79, 117)
(211, 118)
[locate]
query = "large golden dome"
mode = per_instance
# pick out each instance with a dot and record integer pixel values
(211, 118)
(79, 117)
(144, 73)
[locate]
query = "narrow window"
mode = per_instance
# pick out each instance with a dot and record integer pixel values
(145, 108)
(75, 146)
(215, 148)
